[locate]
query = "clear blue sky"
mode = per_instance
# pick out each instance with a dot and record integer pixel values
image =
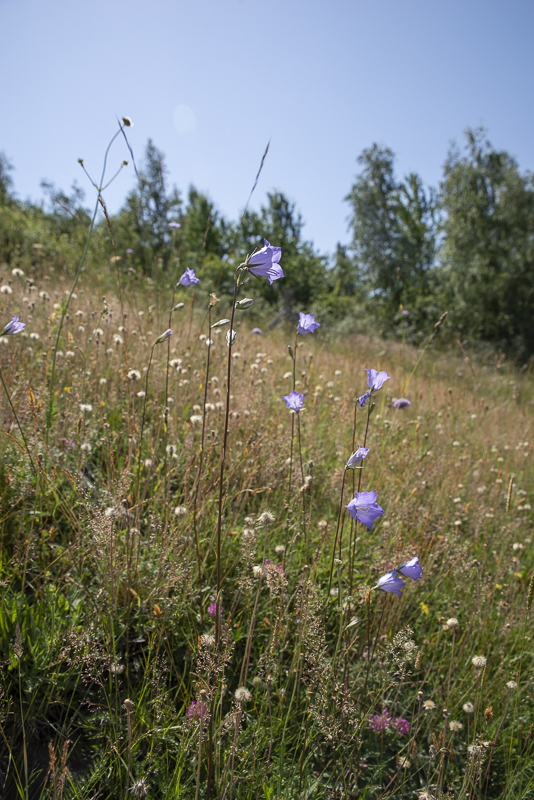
(212, 80)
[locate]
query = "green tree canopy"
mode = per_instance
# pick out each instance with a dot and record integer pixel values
(487, 272)
(142, 225)
(393, 233)
(6, 181)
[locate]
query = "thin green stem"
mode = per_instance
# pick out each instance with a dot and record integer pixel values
(67, 303)
(19, 425)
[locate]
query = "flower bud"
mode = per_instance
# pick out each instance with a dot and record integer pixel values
(164, 336)
(246, 302)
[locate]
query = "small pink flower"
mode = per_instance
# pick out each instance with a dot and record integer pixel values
(379, 722)
(196, 710)
(212, 610)
(402, 726)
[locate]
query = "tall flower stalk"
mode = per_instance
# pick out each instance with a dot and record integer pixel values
(163, 338)
(65, 304)
(306, 324)
(12, 328)
(212, 303)
(263, 263)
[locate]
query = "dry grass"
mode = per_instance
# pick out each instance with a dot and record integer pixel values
(109, 561)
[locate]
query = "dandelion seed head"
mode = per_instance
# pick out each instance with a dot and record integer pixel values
(242, 694)
(479, 661)
(266, 518)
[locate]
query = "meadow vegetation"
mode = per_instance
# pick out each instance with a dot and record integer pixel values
(175, 624)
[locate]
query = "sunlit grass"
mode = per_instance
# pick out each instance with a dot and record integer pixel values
(109, 561)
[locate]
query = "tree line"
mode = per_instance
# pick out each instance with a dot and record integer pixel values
(466, 247)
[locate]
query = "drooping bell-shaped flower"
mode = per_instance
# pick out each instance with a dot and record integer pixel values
(412, 568)
(390, 582)
(188, 278)
(307, 323)
(375, 380)
(364, 508)
(294, 401)
(357, 457)
(13, 326)
(264, 263)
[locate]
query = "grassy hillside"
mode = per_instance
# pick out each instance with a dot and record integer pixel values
(120, 679)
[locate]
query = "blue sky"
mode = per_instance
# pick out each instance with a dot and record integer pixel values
(211, 81)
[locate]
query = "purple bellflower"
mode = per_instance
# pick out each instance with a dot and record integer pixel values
(257, 331)
(401, 402)
(390, 582)
(129, 251)
(363, 399)
(412, 568)
(294, 401)
(375, 380)
(264, 263)
(364, 508)
(307, 323)
(188, 278)
(173, 225)
(357, 457)
(14, 326)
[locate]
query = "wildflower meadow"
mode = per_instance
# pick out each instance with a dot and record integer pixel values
(254, 562)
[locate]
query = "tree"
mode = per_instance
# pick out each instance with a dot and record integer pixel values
(487, 271)
(66, 211)
(143, 223)
(393, 232)
(6, 181)
(204, 231)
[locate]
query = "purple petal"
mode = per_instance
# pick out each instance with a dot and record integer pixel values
(365, 498)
